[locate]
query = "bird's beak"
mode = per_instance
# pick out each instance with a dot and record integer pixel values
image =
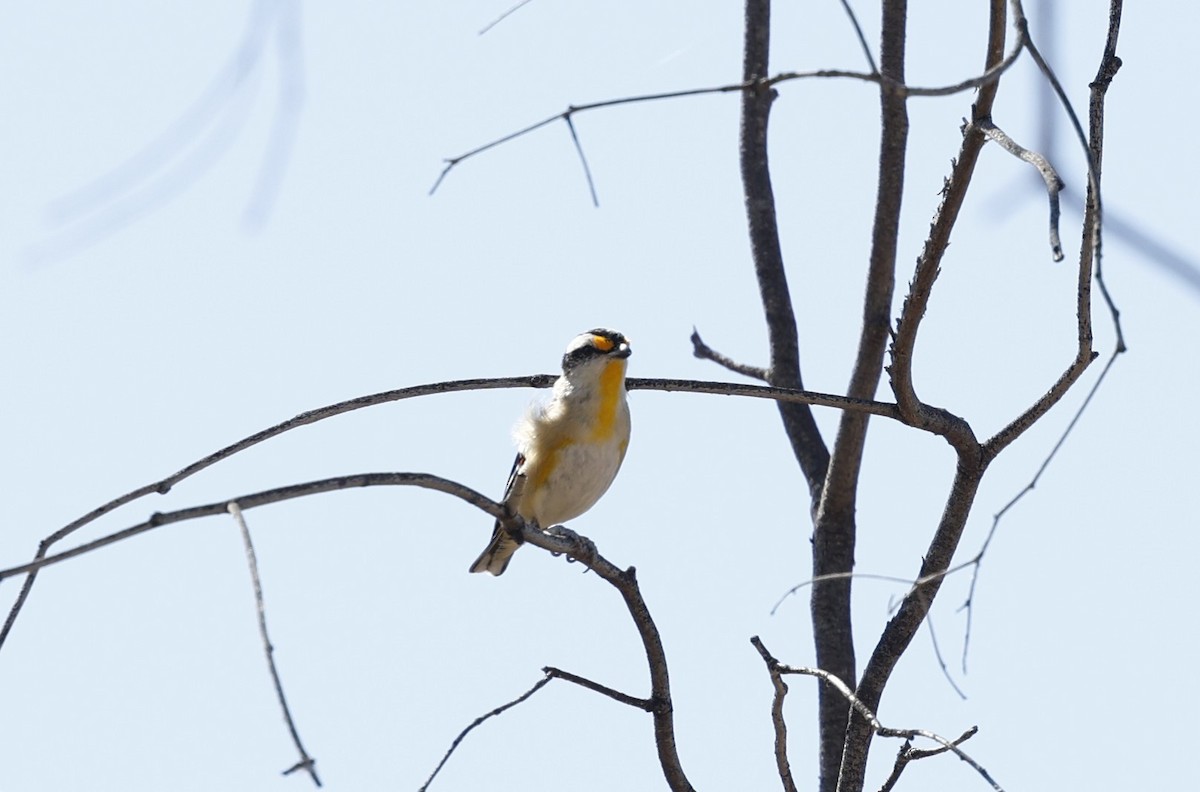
(623, 351)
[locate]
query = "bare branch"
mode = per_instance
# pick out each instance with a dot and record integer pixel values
(587, 172)
(558, 540)
(1053, 183)
(862, 39)
(306, 762)
(761, 83)
(1109, 64)
(781, 689)
(774, 292)
(513, 9)
(541, 683)
(868, 715)
(937, 653)
(834, 526)
(906, 755)
(571, 544)
(643, 704)
(954, 193)
(977, 561)
(164, 485)
(254, 500)
(900, 630)
(705, 352)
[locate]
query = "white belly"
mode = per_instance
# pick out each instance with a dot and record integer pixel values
(583, 473)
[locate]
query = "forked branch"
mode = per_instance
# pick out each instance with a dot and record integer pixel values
(777, 670)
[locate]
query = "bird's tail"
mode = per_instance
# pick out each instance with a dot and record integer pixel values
(498, 553)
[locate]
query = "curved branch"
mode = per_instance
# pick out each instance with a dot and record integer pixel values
(162, 486)
(557, 540)
(954, 193)
(264, 498)
(774, 292)
(1054, 184)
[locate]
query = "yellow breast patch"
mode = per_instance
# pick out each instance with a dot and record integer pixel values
(611, 380)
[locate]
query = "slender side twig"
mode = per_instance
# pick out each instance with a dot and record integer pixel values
(1054, 184)
(907, 754)
(862, 39)
(941, 661)
(774, 667)
(541, 683)
(550, 673)
(587, 172)
(887, 83)
(306, 762)
(646, 705)
(705, 352)
(977, 561)
(1090, 250)
(512, 10)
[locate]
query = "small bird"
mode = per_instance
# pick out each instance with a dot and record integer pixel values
(570, 449)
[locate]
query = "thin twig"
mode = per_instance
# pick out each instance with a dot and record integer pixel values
(705, 352)
(624, 698)
(541, 683)
(1092, 226)
(862, 39)
(504, 16)
(891, 86)
(977, 561)
(306, 762)
(907, 754)
(796, 589)
(941, 661)
(587, 172)
(1050, 176)
(774, 666)
(265, 497)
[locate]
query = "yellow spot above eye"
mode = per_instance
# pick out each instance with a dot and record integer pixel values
(602, 343)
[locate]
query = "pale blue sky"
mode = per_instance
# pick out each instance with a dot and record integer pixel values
(161, 326)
